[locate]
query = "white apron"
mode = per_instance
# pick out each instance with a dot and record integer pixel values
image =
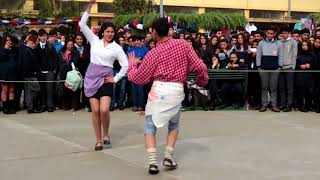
(164, 101)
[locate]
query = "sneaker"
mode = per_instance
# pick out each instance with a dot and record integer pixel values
(275, 109)
(303, 109)
(140, 109)
(282, 107)
(263, 109)
(121, 108)
(51, 109)
(134, 109)
(33, 111)
(236, 106)
(287, 109)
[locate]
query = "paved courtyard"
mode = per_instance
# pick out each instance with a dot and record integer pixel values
(220, 145)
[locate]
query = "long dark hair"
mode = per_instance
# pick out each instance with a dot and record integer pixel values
(65, 45)
(3, 43)
(310, 48)
(205, 37)
(104, 26)
(84, 40)
(245, 42)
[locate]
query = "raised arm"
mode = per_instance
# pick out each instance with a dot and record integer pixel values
(90, 36)
(144, 73)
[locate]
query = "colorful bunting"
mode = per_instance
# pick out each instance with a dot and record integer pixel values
(17, 22)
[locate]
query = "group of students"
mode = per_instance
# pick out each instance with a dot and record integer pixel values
(283, 68)
(38, 64)
(288, 64)
(43, 56)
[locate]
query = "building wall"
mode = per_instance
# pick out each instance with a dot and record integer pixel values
(254, 10)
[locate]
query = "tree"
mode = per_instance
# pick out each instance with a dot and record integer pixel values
(12, 4)
(316, 17)
(133, 6)
(205, 21)
(56, 8)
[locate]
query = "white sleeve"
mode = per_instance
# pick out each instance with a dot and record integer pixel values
(123, 61)
(90, 36)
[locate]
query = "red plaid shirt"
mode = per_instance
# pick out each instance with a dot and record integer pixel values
(170, 61)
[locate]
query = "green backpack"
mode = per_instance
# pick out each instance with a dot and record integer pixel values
(74, 79)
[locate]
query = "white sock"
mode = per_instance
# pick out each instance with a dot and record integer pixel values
(152, 156)
(168, 152)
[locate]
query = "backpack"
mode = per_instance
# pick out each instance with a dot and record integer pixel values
(74, 80)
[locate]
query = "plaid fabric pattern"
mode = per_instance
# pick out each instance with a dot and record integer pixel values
(170, 61)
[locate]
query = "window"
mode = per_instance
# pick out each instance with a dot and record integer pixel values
(105, 8)
(225, 10)
(178, 9)
(299, 15)
(36, 5)
(266, 14)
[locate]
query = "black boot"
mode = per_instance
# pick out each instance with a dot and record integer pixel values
(11, 107)
(5, 108)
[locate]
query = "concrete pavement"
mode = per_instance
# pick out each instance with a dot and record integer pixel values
(220, 145)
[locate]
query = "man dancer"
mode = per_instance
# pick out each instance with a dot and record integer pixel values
(167, 66)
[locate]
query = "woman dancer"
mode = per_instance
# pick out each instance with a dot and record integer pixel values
(98, 82)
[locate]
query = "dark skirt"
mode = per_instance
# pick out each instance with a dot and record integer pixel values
(105, 90)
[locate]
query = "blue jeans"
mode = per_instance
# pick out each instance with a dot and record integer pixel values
(137, 95)
(151, 129)
(122, 93)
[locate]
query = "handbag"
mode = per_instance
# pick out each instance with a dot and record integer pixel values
(74, 80)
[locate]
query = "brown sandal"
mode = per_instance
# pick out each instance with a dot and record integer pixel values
(106, 141)
(98, 147)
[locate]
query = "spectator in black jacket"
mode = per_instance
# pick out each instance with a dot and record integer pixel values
(30, 70)
(232, 90)
(254, 81)
(317, 74)
(83, 49)
(213, 84)
(304, 80)
(8, 72)
(204, 50)
(47, 57)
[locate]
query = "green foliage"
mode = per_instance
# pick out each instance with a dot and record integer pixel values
(123, 7)
(58, 9)
(12, 4)
(316, 17)
(203, 21)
